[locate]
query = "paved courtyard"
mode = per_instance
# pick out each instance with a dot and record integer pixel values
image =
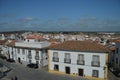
(25, 73)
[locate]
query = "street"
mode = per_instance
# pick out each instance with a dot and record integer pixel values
(111, 76)
(24, 73)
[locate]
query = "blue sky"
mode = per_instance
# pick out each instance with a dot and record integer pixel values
(60, 15)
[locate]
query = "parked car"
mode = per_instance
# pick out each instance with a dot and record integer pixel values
(32, 65)
(112, 69)
(117, 73)
(10, 60)
(3, 57)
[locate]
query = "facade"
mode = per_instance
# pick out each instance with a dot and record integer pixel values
(117, 55)
(29, 51)
(3, 47)
(79, 58)
(111, 57)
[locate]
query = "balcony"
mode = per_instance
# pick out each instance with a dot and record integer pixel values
(37, 57)
(55, 59)
(95, 63)
(67, 60)
(80, 62)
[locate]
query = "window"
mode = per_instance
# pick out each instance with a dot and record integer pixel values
(117, 50)
(67, 55)
(95, 61)
(95, 73)
(37, 62)
(37, 55)
(12, 52)
(23, 51)
(67, 58)
(80, 59)
(18, 50)
(55, 57)
(29, 54)
(56, 67)
(29, 60)
(116, 60)
(119, 63)
(55, 54)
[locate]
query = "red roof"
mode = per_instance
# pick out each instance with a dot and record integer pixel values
(118, 40)
(34, 37)
(12, 43)
(86, 46)
(2, 42)
(112, 48)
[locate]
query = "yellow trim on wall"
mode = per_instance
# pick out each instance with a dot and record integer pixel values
(60, 72)
(48, 60)
(106, 57)
(106, 67)
(56, 72)
(94, 78)
(75, 75)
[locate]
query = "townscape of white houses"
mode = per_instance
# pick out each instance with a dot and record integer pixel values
(76, 55)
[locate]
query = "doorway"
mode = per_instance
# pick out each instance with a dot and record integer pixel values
(19, 60)
(67, 70)
(80, 72)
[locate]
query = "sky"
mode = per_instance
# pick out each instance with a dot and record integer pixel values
(60, 15)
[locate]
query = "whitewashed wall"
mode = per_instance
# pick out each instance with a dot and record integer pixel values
(74, 67)
(24, 57)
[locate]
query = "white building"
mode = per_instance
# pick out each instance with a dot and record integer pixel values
(79, 58)
(31, 50)
(3, 47)
(117, 55)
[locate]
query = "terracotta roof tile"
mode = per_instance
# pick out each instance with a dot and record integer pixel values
(87, 46)
(34, 37)
(2, 42)
(12, 43)
(112, 48)
(118, 40)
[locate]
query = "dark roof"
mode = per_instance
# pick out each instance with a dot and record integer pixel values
(84, 46)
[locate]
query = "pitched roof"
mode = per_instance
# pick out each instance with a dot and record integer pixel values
(34, 37)
(12, 43)
(112, 48)
(87, 46)
(118, 40)
(2, 42)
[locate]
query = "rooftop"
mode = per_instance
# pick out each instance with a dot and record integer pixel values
(87, 46)
(2, 42)
(118, 40)
(34, 37)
